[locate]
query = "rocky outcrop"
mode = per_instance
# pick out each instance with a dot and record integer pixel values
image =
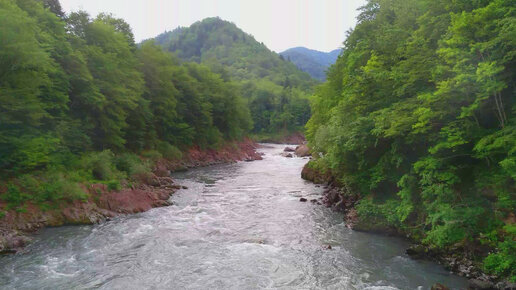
(289, 149)
(153, 190)
(315, 176)
(302, 151)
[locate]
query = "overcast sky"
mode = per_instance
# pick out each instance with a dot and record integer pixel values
(280, 24)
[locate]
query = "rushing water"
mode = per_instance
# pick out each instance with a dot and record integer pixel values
(237, 226)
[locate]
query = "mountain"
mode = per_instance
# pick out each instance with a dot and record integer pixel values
(276, 90)
(216, 41)
(168, 36)
(311, 61)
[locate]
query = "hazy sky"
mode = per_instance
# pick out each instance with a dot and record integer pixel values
(280, 24)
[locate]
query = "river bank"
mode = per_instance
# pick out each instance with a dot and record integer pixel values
(16, 226)
(236, 226)
(460, 261)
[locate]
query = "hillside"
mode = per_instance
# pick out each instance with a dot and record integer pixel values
(311, 61)
(276, 90)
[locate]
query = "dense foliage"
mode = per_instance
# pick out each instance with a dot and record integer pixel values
(78, 100)
(275, 89)
(313, 62)
(419, 116)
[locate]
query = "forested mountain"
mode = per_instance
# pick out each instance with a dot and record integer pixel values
(311, 61)
(418, 116)
(166, 37)
(79, 101)
(276, 90)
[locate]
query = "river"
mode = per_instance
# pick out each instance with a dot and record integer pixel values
(237, 226)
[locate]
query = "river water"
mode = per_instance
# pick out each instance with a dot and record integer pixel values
(237, 226)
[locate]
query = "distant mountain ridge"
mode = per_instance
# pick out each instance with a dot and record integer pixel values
(311, 61)
(215, 41)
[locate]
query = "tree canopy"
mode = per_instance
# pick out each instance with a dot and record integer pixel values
(276, 90)
(72, 84)
(418, 116)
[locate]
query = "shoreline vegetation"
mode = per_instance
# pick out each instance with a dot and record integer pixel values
(458, 260)
(415, 129)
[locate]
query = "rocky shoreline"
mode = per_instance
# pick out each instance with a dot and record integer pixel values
(458, 261)
(153, 191)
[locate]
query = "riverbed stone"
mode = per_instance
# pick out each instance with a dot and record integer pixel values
(302, 151)
(475, 284)
(506, 286)
(439, 286)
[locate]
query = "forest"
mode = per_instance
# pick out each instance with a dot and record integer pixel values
(276, 90)
(82, 102)
(418, 116)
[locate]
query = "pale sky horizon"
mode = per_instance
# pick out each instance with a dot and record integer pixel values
(280, 24)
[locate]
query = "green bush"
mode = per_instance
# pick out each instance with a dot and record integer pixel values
(133, 166)
(73, 191)
(152, 155)
(127, 163)
(170, 152)
(100, 165)
(114, 185)
(58, 187)
(14, 196)
(503, 262)
(378, 215)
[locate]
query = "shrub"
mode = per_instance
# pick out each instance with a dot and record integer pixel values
(152, 155)
(58, 187)
(377, 216)
(114, 185)
(73, 191)
(14, 196)
(127, 163)
(169, 151)
(133, 166)
(100, 165)
(503, 262)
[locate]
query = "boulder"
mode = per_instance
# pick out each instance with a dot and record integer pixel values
(475, 284)
(303, 199)
(302, 151)
(289, 149)
(417, 251)
(506, 286)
